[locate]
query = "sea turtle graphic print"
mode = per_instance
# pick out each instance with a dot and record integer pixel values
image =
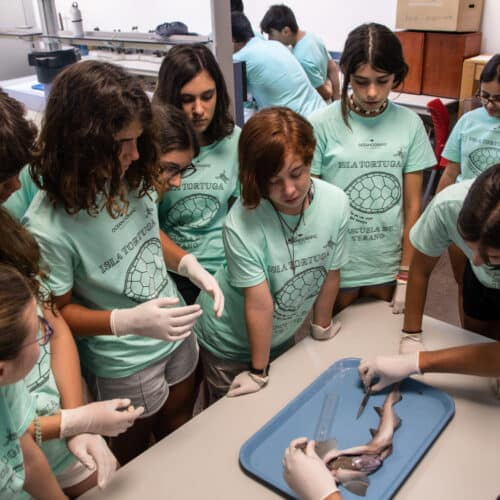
(41, 371)
(482, 158)
(297, 290)
(374, 193)
(195, 211)
(146, 276)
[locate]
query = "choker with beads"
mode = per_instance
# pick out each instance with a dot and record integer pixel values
(366, 112)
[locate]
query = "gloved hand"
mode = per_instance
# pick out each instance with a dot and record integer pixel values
(245, 383)
(398, 299)
(102, 417)
(192, 269)
(388, 369)
(93, 452)
(156, 318)
(320, 333)
(305, 472)
(411, 342)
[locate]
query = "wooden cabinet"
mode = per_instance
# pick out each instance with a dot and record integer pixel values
(413, 52)
(435, 60)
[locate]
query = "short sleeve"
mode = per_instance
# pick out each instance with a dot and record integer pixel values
(245, 266)
(429, 235)
(59, 258)
(452, 148)
(420, 153)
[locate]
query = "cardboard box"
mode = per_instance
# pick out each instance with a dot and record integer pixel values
(439, 15)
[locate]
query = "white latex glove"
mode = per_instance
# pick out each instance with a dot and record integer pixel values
(388, 369)
(156, 318)
(398, 299)
(93, 452)
(102, 417)
(246, 383)
(320, 333)
(305, 472)
(411, 342)
(194, 271)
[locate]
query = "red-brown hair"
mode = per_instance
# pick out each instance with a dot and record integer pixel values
(265, 141)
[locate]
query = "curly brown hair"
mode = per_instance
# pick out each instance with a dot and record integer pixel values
(17, 137)
(265, 140)
(77, 156)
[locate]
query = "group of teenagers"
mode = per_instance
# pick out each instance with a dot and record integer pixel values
(150, 247)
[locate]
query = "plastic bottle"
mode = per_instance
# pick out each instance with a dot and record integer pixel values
(76, 19)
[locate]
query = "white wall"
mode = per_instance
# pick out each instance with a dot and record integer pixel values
(330, 19)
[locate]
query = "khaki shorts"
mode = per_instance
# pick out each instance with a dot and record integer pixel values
(149, 387)
(219, 373)
(73, 474)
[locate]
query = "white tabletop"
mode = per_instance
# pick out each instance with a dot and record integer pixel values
(418, 102)
(200, 460)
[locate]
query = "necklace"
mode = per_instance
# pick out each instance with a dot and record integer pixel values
(362, 111)
(285, 227)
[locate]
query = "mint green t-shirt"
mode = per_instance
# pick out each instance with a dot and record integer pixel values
(368, 163)
(192, 215)
(107, 263)
(276, 78)
(256, 251)
(474, 142)
(17, 411)
(42, 385)
(312, 55)
(19, 201)
(437, 228)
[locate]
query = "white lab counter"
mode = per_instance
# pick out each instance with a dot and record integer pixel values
(200, 460)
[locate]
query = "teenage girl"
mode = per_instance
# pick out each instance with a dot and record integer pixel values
(283, 255)
(23, 464)
(468, 215)
(96, 222)
(375, 151)
(473, 146)
(192, 214)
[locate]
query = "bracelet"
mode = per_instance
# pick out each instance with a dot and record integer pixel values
(402, 277)
(38, 431)
(263, 372)
(411, 332)
(404, 268)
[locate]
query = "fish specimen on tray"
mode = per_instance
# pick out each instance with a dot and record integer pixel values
(351, 466)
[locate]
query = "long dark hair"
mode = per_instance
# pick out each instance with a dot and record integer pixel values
(77, 155)
(479, 218)
(491, 71)
(180, 65)
(372, 44)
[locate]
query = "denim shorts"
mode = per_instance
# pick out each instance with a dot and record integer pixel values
(480, 302)
(149, 387)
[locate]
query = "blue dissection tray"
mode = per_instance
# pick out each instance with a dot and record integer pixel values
(424, 412)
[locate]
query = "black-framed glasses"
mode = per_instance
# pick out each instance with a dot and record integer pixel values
(44, 333)
(172, 170)
(486, 98)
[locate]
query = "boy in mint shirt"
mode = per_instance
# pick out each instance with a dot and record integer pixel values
(274, 76)
(280, 24)
(283, 256)
(466, 214)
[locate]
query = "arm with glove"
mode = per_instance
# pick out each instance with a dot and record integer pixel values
(188, 266)
(259, 310)
(306, 474)
(322, 325)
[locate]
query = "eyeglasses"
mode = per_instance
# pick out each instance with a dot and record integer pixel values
(486, 98)
(44, 333)
(172, 170)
